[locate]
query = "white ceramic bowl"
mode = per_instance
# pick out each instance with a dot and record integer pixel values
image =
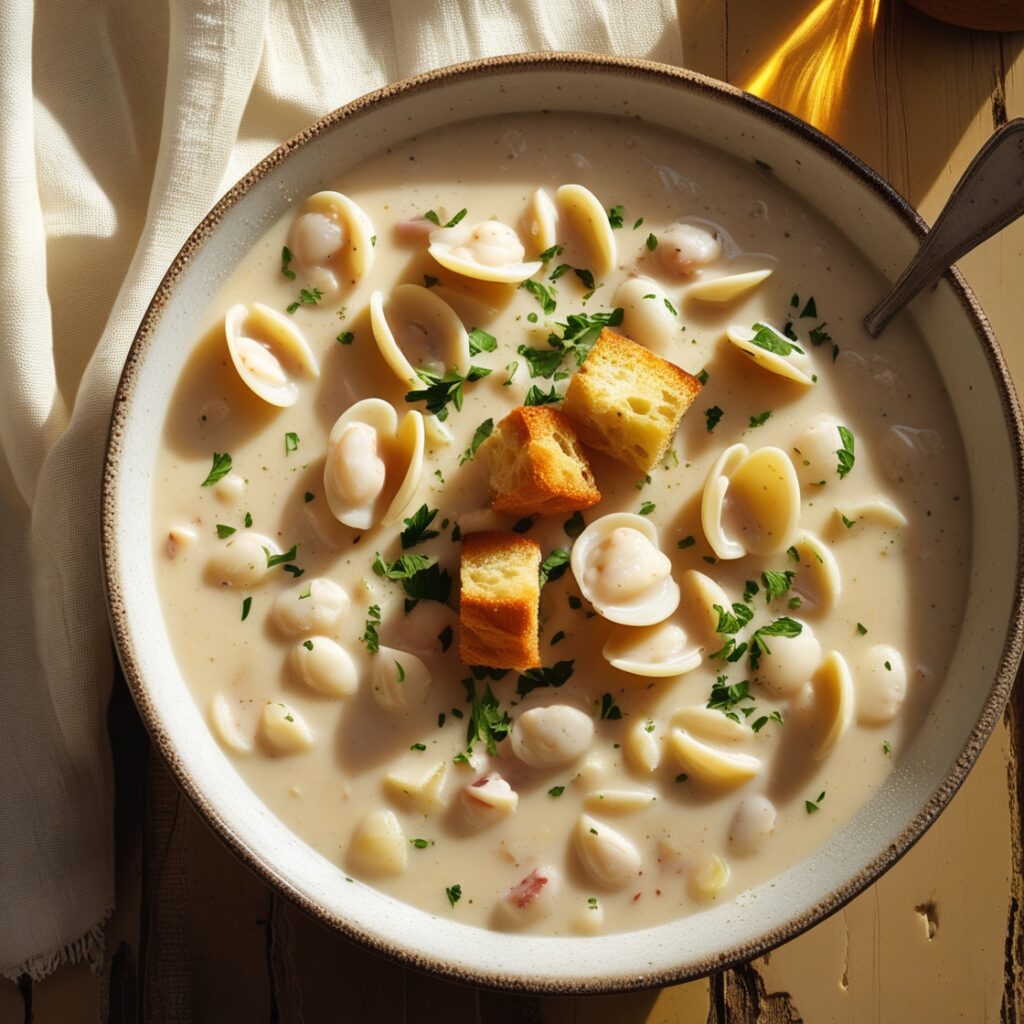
(880, 223)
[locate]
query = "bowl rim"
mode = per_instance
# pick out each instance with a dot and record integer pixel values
(257, 862)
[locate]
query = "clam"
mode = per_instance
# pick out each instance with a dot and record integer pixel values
(711, 764)
(686, 247)
(416, 329)
(644, 746)
(881, 684)
(700, 594)
(834, 695)
(710, 878)
(488, 251)
(620, 801)
(752, 825)
(646, 317)
(817, 582)
(814, 451)
(325, 666)
(609, 858)
(622, 572)
(581, 211)
(710, 724)
(379, 845)
(400, 680)
(728, 287)
(657, 651)
(310, 606)
(532, 898)
(541, 222)
(552, 736)
(773, 351)
(243, 562)
(751, 502)
(373, 465)
(790, 663)
(488, 798)
(283, 729)
(332, 243)
(268, 351)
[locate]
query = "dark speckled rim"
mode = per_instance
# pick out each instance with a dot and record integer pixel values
(845, 164)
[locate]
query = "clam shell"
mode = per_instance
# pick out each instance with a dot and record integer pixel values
(620, 801)
(268, 351)
(541, 222)
(833, 691)
(880, 691)
(710, 764)
(728, 287)
(608, 857)
(423, 321)
(344, 267)
(401, 449)
(655, 651)
(452, 248)
(758, 492)
(794, 364)
(878, 510)
(224, 726)
(584, 215)
(654, 606)
(710, 724)
(817, 580)
(283, 729)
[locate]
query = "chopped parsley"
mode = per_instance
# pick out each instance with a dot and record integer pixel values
(429, 281)
(615, 215)
(543, 362)
(286, 259)
(558, 637)
(845, 454)
(417, 746)
(288, 556)
(307, 297)
(522, 525)
(554, 566)
(420, 844)
(760, 419)
(810, 309)
(682, 777)
(488, 723)
(713, 417)
(575, 603)
(401, 568)
(813, 805)
(703, 377)
(637, 223)
(511, 369)
(291, 442)
(819, 336)
(793, 553)
(370, 632)
(308, 497)
(481, 341)
(886, 747)
(862, 629)
(417, 527)
(771, 341)
(546, 297)
(246, 608)
(248, 520)
(609, 709)
(220, 469)
(556, 791)
(848, 523)
(224, 531)
(647, 508)
(308, 644)
(445, 637)
(454, 894)
(686, 542)
(574, 525)
(345, 338)
(776, 584)
(672, 309)
(421, 579)
(651, 243)
(444, 389)
(538, 678)
(480, 435)
(783, 626)
(432, 216)
(537, 397)
(550, 254)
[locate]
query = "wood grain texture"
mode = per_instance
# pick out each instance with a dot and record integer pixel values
(940, 937)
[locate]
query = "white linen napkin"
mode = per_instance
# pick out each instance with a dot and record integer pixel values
(121, 124)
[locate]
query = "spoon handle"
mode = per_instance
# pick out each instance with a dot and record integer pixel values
(989, 196)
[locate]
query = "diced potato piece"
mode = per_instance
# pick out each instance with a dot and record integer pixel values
(379, 845)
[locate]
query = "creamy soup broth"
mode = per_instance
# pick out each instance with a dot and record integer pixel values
(898, 584)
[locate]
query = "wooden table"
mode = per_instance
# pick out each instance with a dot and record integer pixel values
(940, 938)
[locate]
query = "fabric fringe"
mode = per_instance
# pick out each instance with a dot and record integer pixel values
(88, 948)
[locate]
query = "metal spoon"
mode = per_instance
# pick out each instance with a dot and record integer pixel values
(989, 196)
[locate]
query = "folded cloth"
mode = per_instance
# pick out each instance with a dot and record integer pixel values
(121, 124)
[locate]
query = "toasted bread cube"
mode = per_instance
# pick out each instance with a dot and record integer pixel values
(627, 402)
(537, 466)
(498, 612)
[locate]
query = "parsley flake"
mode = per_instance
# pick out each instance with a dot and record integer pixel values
(220, 469)
(480, 435)
(713, 417)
